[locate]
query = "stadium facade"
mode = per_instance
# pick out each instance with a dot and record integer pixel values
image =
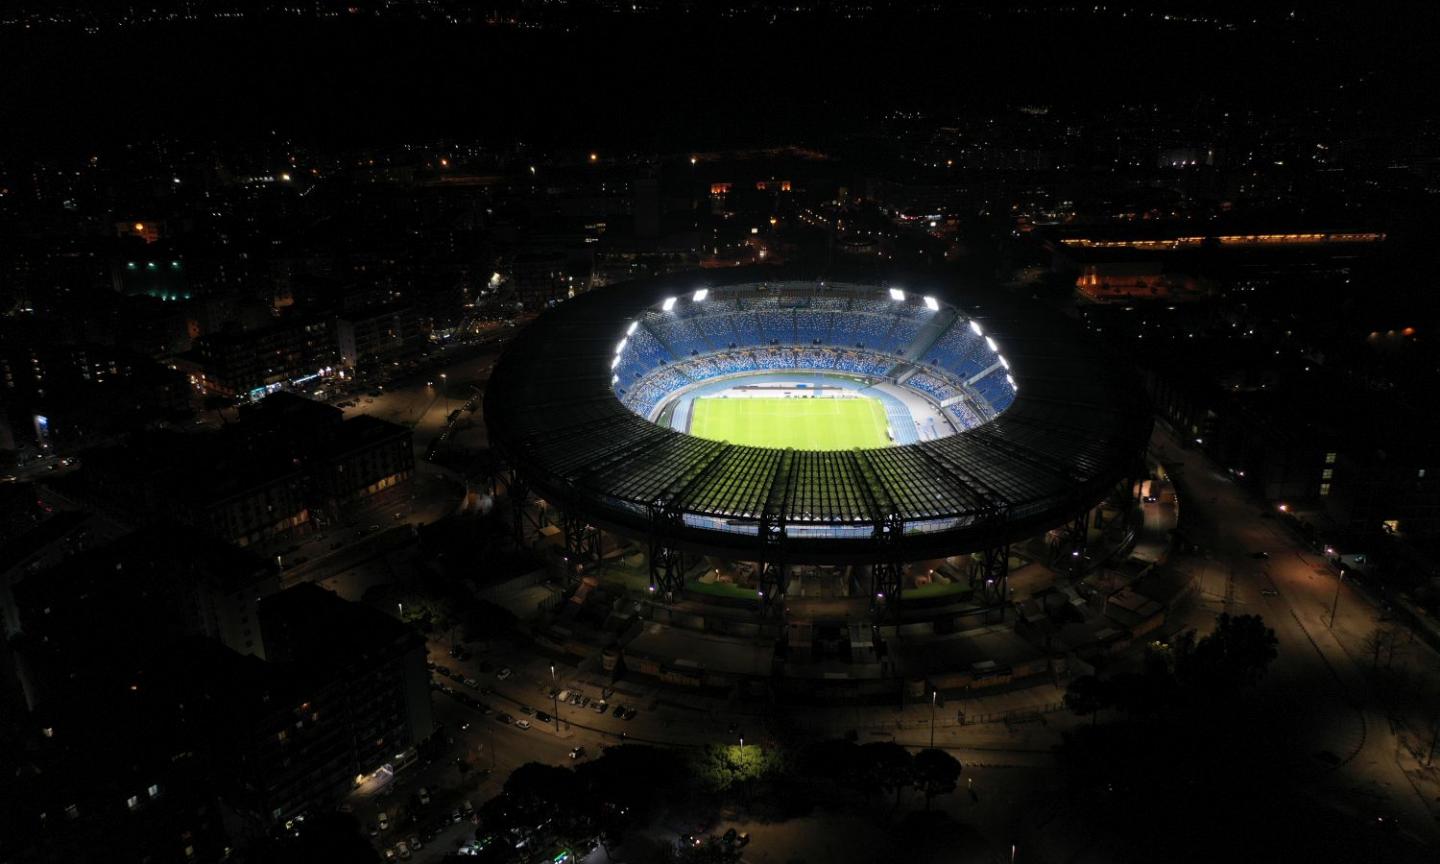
(1040, 424)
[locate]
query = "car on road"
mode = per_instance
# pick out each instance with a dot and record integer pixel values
(630, 713)
(1269, 592)
(601, 707)
(504, 673)
(577, 753)
(542, 717)
(505, 718)
(522, 724)
(403, 850)
(415, 844)
(619, 712)
(527, 710)
(384, 821)
(563, 696)
(423, 794)
(1260, 556)
(472, 683)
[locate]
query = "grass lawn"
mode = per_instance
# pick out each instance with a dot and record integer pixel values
(804, 424)
(722, 589)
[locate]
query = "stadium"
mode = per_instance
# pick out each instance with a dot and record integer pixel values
(758, 430)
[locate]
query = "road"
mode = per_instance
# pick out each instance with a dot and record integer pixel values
(1340, 733)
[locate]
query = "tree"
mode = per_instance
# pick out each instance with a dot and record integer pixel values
(1235, 655)
(625, 786)
(885, 765)
(724, 767)
(936, 773)
(535, 794)
(1087, 695)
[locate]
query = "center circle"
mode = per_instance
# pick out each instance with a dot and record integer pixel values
(824, 367)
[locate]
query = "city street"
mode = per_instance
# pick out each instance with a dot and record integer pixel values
(1318, 679)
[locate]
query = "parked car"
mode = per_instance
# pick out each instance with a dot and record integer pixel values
(527, 710)
(522, 724)
(384, 821)
(542, 717)
(619, 712)
(601, 707)
(630, 713)
(423, 794)
(577, 753)
(502, 717)
(504, 673)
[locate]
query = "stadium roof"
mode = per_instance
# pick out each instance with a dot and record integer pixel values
(1078, 425)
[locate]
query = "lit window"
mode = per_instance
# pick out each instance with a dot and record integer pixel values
(133, 802)
(1324, 489)
(154, 791)
(1327, 474)
(1420, 474)
(1329, 458)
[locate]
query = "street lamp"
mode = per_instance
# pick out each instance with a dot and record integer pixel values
(742, 745)
(555, 698)
(934, 694)
(1335, 601)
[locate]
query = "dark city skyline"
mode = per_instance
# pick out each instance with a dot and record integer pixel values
(718, 431)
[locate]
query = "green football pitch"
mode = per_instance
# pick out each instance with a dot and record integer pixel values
(804, 424)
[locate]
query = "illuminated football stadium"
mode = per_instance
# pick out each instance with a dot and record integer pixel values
(803, 422)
